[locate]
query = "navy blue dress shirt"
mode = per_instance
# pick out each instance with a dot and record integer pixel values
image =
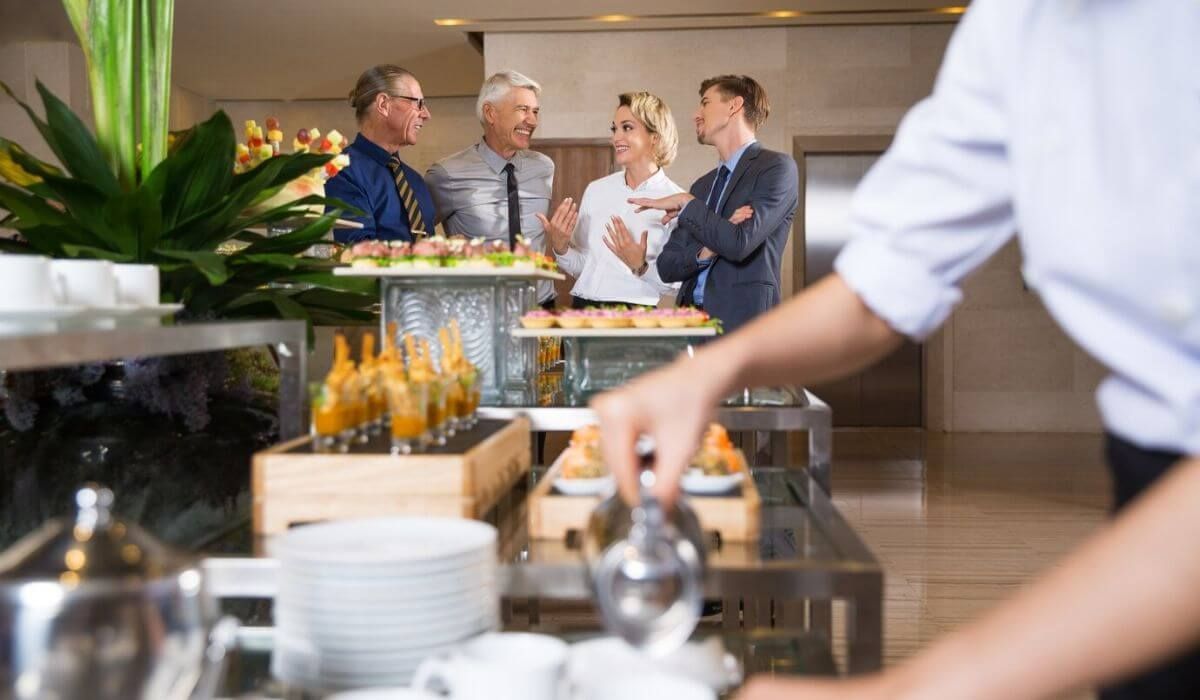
(368, 184)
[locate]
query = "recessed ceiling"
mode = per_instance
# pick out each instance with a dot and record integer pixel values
(315, 49)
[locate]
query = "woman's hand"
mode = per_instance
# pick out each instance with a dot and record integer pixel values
(621, 242)
(672, 205)
(743, 213)
(561, 226)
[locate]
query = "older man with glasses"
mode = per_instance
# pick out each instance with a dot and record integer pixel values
(391, 111)
(496, 188)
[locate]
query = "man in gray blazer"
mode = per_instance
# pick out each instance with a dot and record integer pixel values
(731, 270)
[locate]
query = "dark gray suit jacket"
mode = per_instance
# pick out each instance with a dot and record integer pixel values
(744, 280)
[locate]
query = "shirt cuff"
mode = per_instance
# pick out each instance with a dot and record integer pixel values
(907, 296)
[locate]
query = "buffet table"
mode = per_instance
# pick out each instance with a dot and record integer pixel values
(805, 556)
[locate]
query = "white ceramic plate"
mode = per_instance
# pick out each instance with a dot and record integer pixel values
(423, 608)
(585, 487)
(47, 320)
(385, 543)
(418, 584)
(696, 483)
(382, 637)
(386, 694)
(706, 662)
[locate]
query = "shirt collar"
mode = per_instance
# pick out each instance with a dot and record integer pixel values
(734, 159)
(655, 179)
(494, 160)
(371, 150)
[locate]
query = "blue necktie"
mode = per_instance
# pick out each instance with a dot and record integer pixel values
(713, 204)
(714, 197)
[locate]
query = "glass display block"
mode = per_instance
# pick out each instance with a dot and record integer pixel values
(487, 310)
(599, 364)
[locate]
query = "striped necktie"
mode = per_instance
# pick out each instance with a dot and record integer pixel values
(416, 222)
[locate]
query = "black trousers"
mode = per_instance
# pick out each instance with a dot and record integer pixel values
(1134, 469)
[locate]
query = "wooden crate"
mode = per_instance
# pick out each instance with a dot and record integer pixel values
(291, 484)
(552, 515)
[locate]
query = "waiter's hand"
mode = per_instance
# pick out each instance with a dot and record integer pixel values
(672, 405)
(869, 688)
(705, 254)
(671, 205)
(621, 242)
(561, 226)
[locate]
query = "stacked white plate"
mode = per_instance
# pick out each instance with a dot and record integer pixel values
(362, 602)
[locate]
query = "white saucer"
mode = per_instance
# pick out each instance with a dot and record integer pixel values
(44, 320)
(585, 487)
(698, 484)
(138, 311)
(49, 313)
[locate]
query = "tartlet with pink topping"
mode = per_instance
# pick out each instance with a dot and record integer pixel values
(539, 319)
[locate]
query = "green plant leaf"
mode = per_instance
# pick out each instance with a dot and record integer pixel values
(76, 147)
(285, 169)
(200, 171)
(45, 227)
(8, 245)
(331, 299)
(83, 251)
(277, 260)
(296, 241)
(210, 264)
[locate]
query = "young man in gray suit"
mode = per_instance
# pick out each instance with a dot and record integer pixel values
(731, 270)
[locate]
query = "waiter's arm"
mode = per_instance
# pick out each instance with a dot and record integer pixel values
(1122, 601)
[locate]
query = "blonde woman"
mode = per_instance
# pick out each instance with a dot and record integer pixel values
(592, 240)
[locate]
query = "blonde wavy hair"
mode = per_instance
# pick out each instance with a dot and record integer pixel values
(655, 115)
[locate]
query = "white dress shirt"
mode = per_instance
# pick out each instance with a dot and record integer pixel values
(599, 273)
(1077, 124)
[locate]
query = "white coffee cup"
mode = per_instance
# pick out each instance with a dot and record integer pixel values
(137, 285)
(88, 283)
(644, 686)
(498, 666)
(26, 282)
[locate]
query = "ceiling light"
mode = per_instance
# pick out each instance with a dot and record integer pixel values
(613, 18)
(783, 14)
(450, 22)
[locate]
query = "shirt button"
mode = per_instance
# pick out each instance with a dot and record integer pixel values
(1176, 309)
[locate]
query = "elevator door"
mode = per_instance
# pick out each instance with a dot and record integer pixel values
(889, 393)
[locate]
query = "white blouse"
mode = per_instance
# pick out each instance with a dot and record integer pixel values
(600, 275)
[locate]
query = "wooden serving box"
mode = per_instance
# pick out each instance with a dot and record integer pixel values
(733, 516)
(291, 484)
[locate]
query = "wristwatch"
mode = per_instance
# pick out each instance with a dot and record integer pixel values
(642, 270)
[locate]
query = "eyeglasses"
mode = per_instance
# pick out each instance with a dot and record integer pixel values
(419, 100)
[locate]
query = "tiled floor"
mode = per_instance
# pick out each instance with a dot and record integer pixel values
(962, 521)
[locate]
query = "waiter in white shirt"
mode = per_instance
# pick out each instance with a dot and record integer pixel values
(1076, 124)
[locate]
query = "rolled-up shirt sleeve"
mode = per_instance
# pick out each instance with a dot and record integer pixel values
(939, 202)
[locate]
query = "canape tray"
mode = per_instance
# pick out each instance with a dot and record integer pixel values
(292, 485)
(503, 272)
(693, 332)
(553, 515)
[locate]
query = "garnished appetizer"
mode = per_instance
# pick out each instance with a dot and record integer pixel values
(609, 318)
(538, 319)
(717, 455)
(582, 457)
(573, 318)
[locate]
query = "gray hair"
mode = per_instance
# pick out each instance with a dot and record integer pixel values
(374, 80)
(496, 87)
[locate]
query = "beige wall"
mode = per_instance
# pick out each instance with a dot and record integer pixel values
(1000, 363)
(452, 128)
(60, 67)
